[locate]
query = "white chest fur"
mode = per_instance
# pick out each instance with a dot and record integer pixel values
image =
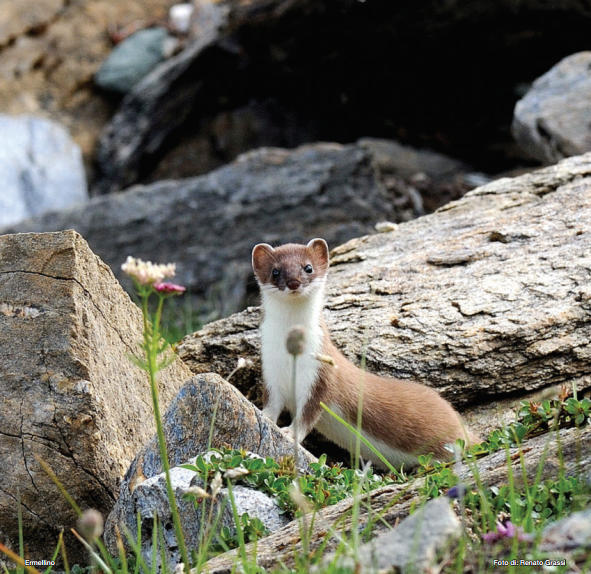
(282, 312)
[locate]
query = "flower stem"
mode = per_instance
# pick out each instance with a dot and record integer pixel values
(295, 419)
(152, 341)
(157, 318)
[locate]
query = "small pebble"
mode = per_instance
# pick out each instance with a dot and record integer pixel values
(179, 17)
(385, 226)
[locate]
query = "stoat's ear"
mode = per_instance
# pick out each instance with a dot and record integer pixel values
(262, 258)
(319, 248)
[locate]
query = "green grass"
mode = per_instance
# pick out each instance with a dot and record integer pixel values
(181, 318)
(323, 486)
(527, 504)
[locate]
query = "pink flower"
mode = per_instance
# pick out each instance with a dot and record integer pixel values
(506, 530)
(491, 537)
(169, 288)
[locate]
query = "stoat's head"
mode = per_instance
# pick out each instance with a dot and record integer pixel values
(291, 270)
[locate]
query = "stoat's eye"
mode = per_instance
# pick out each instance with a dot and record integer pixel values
(275, 273)
(308, 268)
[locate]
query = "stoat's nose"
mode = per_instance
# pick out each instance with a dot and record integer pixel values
(293, 284)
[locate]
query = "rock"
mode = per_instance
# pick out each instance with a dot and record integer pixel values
(415, 541)
(203, 401)
(47, 69)
(149, 499)
(17, 19)
(50, 51)
(484, 299)
(132, 60)
(421, 180)
(570, 533)
(157, 106)
(412, 545)
(551, 121)
(179, 17)
(418, 100)
(208, 225)
(40, 169)
(220, 139)
(69, 394)
(569, 452)
(407, 162)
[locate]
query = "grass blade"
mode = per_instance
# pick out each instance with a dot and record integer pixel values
(239, 532)
(368, 444)
(21, 544)
(64, 553)
(56, 552)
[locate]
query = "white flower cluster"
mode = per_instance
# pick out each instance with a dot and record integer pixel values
(146, 272)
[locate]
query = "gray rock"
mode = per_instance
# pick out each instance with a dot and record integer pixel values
(412, 545)
(419, 180)
(551, 121)
(40, 168)
(132, 60)
(571, 533)
(69, 395)
(149, 499)
(404, 161)
(237, 424)
(209, 224)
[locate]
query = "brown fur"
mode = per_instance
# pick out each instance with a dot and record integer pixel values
(406, 415)
(290, 259)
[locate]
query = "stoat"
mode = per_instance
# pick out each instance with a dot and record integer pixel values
(401, 419)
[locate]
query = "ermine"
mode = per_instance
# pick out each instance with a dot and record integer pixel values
(401, 419)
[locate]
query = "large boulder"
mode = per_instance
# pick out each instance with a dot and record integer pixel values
(486, 298)
(69, 394)
(40, 168)
(551, 121)
(209, 224)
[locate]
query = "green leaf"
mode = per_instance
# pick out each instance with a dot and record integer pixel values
(201, 465)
